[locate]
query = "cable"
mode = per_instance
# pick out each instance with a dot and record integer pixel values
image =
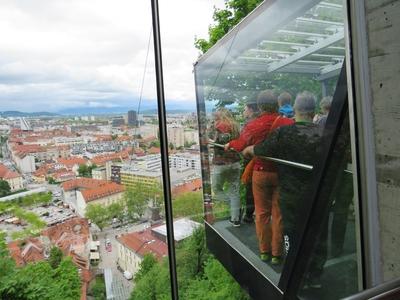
(143, 77)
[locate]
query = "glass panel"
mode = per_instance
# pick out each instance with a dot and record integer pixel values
(268, 84)
(332, 272)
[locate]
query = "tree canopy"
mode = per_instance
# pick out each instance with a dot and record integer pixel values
(37, 281)
(200, 276)
(4, 188)
(225, 19)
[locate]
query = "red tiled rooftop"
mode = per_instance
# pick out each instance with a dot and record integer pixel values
(154, 150)
(93, 189)
(103, 191)
(70, 162)
(27, 251)
(187, 187)
(83, 183)
(6, 173)
(143, 242)
(100, 160)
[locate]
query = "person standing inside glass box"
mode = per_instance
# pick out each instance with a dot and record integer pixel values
(250, 113)
(226, 175)
(298, 143)
(285, 105)
(264, 176)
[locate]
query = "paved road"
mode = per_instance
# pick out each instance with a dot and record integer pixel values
(109, 259)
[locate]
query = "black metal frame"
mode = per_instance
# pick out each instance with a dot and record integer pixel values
(162, 121)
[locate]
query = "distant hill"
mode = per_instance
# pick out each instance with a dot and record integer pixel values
(16, 114)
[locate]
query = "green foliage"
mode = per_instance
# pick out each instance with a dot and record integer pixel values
(136, 200)
(200, 276)
(215, 283)
(40, 281)
(146, 265)
(242, 87)
(155, 143)
(98, 290)
(86, 171)
(225, 19)
(35, 223)
(55, 258)
(7, 264)
(116, 210)
(30, 200)
(51, 180)
(189, 205)
(155, 285)
(4, 188)
(98, 214)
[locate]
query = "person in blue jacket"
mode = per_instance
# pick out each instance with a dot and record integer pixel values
(285, 106)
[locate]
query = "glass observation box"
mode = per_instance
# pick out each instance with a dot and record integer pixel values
(281, 213)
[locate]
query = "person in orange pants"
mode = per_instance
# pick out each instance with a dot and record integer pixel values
(264, 176)
(268, 215)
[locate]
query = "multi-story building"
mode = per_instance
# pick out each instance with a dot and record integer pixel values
(184, 160)
(117, 122)
(99, 173)
(114, 171)
(132, 247)
(132, 118)
(176, 135)
(148, 131)
(13, 178)
(81, 192)
(191, 136)
(133, 177)
(150, 162)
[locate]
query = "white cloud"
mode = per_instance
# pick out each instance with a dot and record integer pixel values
(68, 53)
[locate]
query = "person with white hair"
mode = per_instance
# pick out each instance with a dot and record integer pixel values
(325, 107)
(296, 143)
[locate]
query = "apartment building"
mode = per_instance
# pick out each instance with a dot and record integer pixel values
(81, 192)
(13, 178)
(132, 247)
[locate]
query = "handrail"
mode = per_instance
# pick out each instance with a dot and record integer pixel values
(277, 160)
(389, 290)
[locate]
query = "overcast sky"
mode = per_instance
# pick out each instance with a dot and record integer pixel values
(61, 54)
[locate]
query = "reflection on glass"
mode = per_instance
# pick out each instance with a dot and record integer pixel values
(276, 81)
(333, 262)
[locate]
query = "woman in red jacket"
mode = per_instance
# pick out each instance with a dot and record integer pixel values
(264, 178)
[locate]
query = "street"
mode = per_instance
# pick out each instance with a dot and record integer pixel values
(109, 259)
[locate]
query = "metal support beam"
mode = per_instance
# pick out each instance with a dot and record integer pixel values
(162, 119)
(330, 71)
(317, 21)
(301, 33)
(323, 88)
(307, 51)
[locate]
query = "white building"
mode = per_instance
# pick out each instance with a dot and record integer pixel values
(13, 178)
(25, 162)
(81, 192)
(185, 160)
(191, 136)
(176, 135)
(132, 247)
(148, 130)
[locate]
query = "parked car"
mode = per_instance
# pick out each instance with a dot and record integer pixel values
(128, 275)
